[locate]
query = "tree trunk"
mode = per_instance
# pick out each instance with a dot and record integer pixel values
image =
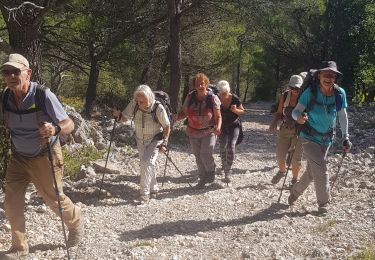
(91, 88)
(24, 36)
(175, 50)
(162, 70)
(151, 43)
(186, 87)
(247, 82)
(239, 69)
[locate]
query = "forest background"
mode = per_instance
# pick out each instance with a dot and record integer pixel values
(96, 52)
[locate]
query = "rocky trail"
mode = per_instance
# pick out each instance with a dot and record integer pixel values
(241, 221)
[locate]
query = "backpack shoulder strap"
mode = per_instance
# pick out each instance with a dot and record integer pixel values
(192, 95)
(40, 97)
(153, 111)
(312, 101)
(338, 97)
(4, 95)
(286, 95)
(209, 100)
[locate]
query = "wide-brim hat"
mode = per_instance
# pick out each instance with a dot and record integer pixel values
(295, 81)
(329, 66)
(17, 61)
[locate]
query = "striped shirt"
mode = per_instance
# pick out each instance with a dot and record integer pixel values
(145, 125)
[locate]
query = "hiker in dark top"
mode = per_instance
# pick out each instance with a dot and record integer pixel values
(318, 130)
(287, 139)
(31, 130)
(202, 109)
(231, 108)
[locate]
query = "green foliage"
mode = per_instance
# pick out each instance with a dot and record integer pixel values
(141, 244)
(75, 102)
(81, 156)
(280, 38)
(112, 90)
(323, 227)
(366, 254)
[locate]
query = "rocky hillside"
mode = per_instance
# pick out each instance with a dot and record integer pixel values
(241, 221)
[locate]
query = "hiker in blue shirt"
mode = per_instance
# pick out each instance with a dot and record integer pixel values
(34, 139)
(323, 103)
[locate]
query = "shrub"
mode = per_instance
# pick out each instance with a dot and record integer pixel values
(75, 102)
(81, 156)
(366, 254)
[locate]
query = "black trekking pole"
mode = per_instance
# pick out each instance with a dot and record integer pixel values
(165, 167)
(338, 170)
(57, 196)
(289, 161)
(106, 161)
(169, 159)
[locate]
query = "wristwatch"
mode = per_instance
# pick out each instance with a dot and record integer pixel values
(57, 129)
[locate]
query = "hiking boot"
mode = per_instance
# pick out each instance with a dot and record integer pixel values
(323, 209)
(277, 177)
(201, 184)
(14, 253)
(143, 199)
(228, 177)
(153, 195)
(292, 182)
(75, 235)
(292, 198)
(210, 177)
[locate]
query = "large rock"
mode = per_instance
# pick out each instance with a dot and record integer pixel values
(111, 168)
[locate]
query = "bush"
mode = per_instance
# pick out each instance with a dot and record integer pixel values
(81, 156)
(75, 102)
(365, 254)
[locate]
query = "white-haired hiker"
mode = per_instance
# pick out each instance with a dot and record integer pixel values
(151, 135)
(231, 108)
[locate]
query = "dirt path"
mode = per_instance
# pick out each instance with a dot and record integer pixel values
(238, 222)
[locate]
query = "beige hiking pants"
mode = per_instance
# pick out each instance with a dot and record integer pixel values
(21, 171)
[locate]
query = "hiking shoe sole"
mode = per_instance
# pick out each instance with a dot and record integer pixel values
(277, 177)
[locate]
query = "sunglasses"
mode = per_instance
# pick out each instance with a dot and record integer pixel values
(14, 72)
(328, 75)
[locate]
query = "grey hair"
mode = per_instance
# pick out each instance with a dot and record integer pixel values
(223, 86)
(144, 90)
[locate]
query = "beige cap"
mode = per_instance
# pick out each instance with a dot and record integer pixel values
(16, 60)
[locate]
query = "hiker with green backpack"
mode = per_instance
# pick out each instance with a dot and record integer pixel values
(287, 139)
(36, 154)
(318, 108)
(152, 129)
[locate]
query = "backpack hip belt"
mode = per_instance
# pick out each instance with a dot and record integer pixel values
(289, 125)
(307, 129)
(201, 129)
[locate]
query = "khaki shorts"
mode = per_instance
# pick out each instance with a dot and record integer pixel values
(287, 138)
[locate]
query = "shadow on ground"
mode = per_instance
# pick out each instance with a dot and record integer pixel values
(192, 227)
